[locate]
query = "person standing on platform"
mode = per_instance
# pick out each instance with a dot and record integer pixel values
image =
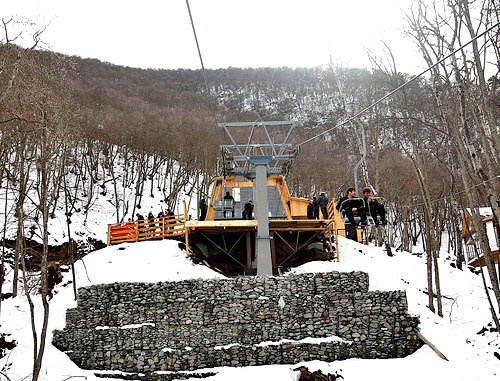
(315, 208)
(310, 210)
(161, 220)
(140, 220)
(322, 203)
(248, 211)
(169, 217)
(228, 197)
(152, 225)
(203, 208)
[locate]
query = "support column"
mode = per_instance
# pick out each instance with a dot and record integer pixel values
(263, 245)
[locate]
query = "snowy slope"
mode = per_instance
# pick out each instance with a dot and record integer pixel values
(102, 210)
(152, 261)
(465, 313)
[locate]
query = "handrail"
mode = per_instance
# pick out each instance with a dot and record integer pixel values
(146, 229)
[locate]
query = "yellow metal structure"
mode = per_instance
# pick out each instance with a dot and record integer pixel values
(295, 208)
(227, 245)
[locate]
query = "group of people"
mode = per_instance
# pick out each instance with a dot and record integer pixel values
(317, 204)
(361, 206)
(246, 213)
(169, 214)
(350, 205)
(163, 216)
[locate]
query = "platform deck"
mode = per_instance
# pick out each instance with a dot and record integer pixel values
(250, 225)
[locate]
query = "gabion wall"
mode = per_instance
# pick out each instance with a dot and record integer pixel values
(187, 325)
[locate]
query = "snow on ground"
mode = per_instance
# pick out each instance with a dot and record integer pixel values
(464, 304)
(465, 312)
(149, 261)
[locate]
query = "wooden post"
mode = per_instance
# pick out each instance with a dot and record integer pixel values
(330, 231)
(163, 227)
(337, 244)
(109, 234)
(432, 346)
(136, 230)
(186, 232)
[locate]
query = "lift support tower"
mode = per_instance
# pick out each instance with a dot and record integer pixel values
(257, 161)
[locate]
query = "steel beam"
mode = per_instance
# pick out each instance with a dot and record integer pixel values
(263, 239)
(251, 124)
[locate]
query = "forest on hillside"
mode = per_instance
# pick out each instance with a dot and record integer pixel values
(67, 123)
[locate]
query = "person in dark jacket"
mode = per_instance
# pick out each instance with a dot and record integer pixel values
(375, 207)
(323, 202)
(315, 208)
(350, 204)
(140, 220)
(310, 210)
(161, 220)
(248, 211)
(151, 220)
(170, 215)
(203, 208)
(228, 197)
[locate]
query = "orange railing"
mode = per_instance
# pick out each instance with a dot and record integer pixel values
(330, 208)
(143, 230)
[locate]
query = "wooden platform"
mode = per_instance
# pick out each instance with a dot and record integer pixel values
(228, 245)
(250, 225)
(474, 262)
(145, 230)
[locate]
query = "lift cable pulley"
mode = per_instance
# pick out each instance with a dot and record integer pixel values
(239, 158)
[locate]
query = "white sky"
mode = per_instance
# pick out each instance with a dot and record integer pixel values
(252, 33)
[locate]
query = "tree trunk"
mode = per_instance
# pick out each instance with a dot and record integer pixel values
(458, 242)
(23, 181)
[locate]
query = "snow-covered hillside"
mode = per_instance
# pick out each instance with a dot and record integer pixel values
(134, 185)
(465, 313)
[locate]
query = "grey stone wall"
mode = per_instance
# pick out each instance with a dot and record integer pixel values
(187, 325)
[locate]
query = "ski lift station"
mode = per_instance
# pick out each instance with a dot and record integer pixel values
(278, 234)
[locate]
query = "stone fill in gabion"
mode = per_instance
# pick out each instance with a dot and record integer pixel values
(192, 324)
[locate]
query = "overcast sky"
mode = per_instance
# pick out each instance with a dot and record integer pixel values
(252, 33)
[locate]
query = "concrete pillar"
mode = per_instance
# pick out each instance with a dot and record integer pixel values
(262, 246)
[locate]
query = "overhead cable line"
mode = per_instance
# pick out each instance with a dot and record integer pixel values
(398, 88)
(201, 61)
(444, 198)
